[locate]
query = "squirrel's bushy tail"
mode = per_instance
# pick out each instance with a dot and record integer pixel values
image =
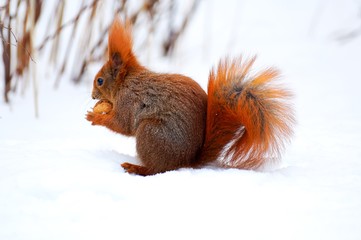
(249, 118)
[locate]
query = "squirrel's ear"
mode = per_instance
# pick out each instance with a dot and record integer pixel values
(116, 60)
(119, 43)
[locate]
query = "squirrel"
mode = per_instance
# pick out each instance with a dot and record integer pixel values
(243, 122)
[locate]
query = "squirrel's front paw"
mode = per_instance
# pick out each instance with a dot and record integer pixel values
(91, 117)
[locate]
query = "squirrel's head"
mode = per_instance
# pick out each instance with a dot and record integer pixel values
(121, 60)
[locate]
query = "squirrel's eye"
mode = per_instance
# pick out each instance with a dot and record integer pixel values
(100, 81)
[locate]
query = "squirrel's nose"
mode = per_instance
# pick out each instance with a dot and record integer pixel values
(95, 95)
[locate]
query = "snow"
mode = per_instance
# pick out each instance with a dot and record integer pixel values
(60, 178)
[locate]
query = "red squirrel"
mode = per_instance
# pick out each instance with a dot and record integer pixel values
(242, 123)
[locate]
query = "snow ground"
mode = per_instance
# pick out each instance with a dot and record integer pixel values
(60, 178)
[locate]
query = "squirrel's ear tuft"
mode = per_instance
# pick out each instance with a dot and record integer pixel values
(116, 60)
(119, 42)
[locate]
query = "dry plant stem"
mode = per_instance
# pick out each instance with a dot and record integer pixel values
(16, 44)
(101, 42)
(55, 43)
(347, 37)
(6, 53)
(22, 46)
(173, 37)
(69, 23)
(67, 53)
(16, 29)
(36, 91)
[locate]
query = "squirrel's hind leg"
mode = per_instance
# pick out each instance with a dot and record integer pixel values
(163, 146)
(136, 169)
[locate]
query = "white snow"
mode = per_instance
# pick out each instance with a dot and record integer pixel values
(60, 178)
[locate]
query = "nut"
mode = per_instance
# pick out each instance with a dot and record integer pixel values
(103, 107)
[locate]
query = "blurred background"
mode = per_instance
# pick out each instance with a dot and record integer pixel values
(315, 44)
(60, 176)
(60, 40)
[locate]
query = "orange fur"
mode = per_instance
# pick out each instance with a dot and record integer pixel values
(248, 117)
(243, 122)
(120, 41)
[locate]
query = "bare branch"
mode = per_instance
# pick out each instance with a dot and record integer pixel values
(170, 43)
(16, 40)
(349, 36)
(67, 24)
